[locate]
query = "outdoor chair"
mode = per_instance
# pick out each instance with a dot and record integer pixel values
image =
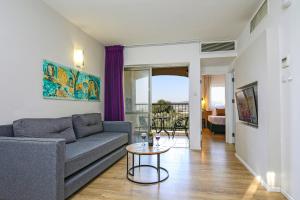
(181, 124)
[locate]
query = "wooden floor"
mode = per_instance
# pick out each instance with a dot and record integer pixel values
(212, 174)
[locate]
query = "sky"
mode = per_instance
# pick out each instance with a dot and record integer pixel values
(170, 88)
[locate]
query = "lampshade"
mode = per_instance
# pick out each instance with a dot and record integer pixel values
(79, 58)
(203, 103)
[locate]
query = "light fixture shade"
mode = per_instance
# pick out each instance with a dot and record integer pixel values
(79, 58)
(203, 103)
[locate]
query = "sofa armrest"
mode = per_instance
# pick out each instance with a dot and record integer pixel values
(119, 126)
(32, 168)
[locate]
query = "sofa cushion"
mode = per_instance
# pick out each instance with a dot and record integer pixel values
(6, 131)
(89, 149)
(87, 124)
(45, 128)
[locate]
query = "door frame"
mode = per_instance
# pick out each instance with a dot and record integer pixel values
(142, 68)
(229, 106)
(230, 98)
(150, 67)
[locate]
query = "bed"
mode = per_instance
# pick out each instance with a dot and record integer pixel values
(216, 122)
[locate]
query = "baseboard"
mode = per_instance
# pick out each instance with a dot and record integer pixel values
(287, 195)
(270, 188)
(262, 182)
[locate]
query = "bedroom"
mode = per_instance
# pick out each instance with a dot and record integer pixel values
(213, 105)
(217, 84)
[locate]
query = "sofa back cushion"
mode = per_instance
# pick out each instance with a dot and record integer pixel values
(6, 131)
(45, 128)
(87, 124)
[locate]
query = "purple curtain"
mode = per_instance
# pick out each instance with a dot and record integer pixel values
(114, 104)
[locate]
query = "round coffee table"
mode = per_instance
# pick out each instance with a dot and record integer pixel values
(141, 149)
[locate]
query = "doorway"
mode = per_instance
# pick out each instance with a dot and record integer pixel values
(156, 100)
(217, 103)
(213, 105)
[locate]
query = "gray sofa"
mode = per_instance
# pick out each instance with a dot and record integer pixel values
(52, 158)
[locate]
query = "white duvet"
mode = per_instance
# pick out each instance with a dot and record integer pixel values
(218, 120)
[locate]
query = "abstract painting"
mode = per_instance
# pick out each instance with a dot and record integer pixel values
(252, 104)
(242, 105)
(60, 82)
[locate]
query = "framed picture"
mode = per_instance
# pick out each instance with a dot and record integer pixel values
(247, 104)
(242, 105)
(61, 82)
(250, 96)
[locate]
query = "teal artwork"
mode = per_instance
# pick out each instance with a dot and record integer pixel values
(60, 82)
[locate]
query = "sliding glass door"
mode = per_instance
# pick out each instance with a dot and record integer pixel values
(137, 96)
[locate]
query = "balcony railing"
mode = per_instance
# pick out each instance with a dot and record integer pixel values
(165, 117)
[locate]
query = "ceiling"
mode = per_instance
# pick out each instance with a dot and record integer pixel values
(138, 22)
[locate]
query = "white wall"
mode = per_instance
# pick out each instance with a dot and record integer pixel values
(268, 99)
(214, 70)
(273, 147)
(251, 142)
(290, 109)
(172, 54)
(31, 32)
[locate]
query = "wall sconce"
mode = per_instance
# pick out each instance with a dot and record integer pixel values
(203, 103)
(79, 58)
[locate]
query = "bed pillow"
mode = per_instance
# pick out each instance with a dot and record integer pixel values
(220, 112)
(45, 128)
(87, 124)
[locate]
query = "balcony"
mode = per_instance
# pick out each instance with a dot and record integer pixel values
(169, 119)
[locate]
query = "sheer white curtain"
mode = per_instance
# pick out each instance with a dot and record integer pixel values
(206, 80)
(217, 92)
